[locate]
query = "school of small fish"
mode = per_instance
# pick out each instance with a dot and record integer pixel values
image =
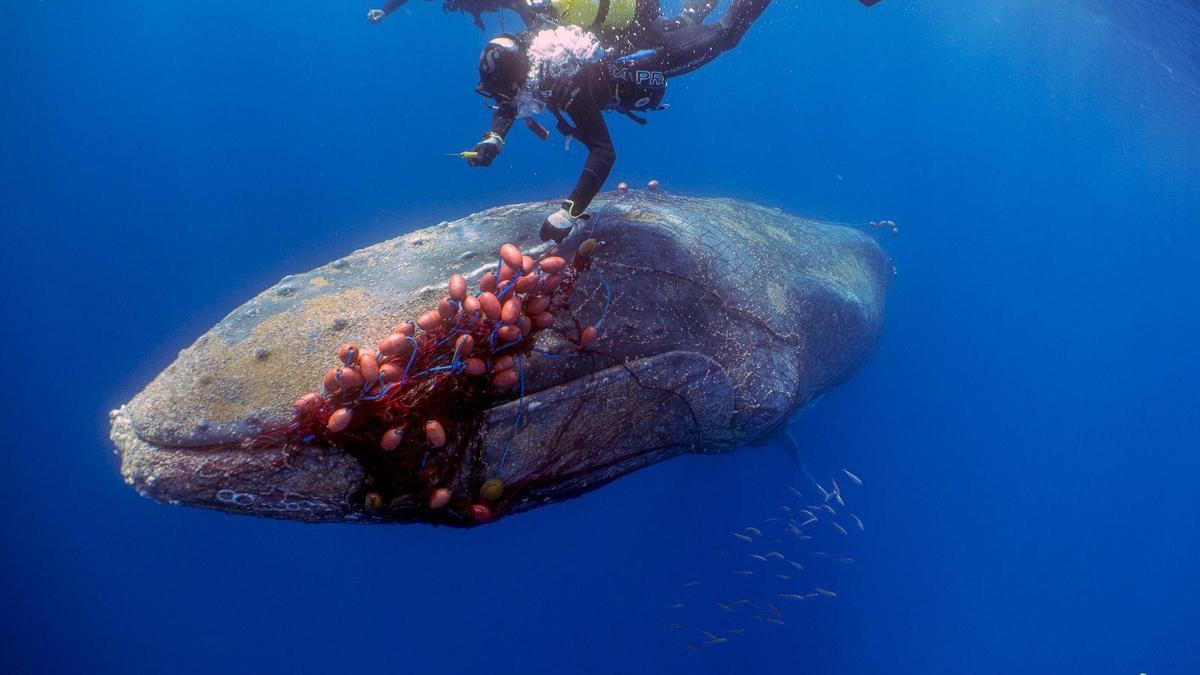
(770, 552)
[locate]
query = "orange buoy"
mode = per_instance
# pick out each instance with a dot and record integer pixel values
(524, 325)
(475, 366)
(488, 282)
(511, 255)
(406, 328)
(537, 304)
(390, 372)
(348, 353)
(373, 501)
(394, 344)
(553, 264)
(503, 363)
(508, 333)
(527, 284)
(368, 367)
(511, 311)
(429, 320)
(308, 403)
(543, 319)
(506, 273)
(490, 305)
(588, 336)
(331, 383)
(446, 308)
(435, 434)
(457, 286)
(349, 378)
(504, 379)
(588, 248)
(470, 305)
(439, 498)
(464, 346)
(526, 264)
(482, 513)
(391, 439)
(339, 420)
(551, 283)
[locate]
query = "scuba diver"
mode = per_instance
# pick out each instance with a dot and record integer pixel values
(539, 12)
(566, 71)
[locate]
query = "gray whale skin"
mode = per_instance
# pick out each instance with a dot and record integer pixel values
(726, 318)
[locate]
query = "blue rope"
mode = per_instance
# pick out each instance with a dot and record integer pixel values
(411, 358)
(503, 347)
(548, 354)
(382, 392)
(456, 362)
(507, 287)
(607, 301)
(520, 411)
(596, 220)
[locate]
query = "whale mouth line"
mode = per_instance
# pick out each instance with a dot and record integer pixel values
(245, 442)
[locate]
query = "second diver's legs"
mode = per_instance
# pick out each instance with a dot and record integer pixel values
(686, 49)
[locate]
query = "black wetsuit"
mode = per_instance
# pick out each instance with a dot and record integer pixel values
(592, 90)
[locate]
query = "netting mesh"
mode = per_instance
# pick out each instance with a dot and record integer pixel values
(412, 412)
(719, 287)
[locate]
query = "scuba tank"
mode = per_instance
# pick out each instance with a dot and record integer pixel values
(588, 14)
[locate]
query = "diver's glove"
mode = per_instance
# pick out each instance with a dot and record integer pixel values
(486, 150)
(560, 223)
(376, 15)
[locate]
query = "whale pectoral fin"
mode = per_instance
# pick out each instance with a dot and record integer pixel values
(596, 428)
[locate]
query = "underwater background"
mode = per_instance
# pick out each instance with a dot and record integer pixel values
(1027, 430)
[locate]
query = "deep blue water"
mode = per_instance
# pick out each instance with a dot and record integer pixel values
(1028, 426)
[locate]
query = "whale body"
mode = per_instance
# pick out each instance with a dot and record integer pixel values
(723, 319)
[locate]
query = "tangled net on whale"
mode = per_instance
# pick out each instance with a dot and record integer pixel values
(411, 410)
